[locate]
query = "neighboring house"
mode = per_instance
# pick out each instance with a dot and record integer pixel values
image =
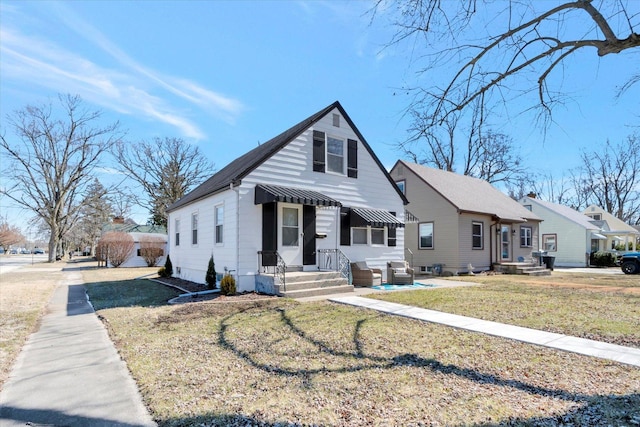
(567, 234)
(616, 231)
(294, 203)
(139, 233)
(463, 222)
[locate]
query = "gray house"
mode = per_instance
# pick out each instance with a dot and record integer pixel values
(464, 223)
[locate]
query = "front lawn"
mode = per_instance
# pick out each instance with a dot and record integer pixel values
(281, 362)
(600, 308)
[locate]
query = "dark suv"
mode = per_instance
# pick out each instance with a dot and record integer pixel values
(630, 263)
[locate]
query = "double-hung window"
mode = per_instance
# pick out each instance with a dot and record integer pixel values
(425, 235)
(526, 234)
(177, 232)
(335, 155)
(477, 235)
(194, 229)
(219, 219)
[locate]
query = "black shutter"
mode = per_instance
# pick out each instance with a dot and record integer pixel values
(269, 234)
(309, 239)
(318, 151)
(391, 234)
(345, 226)
(352, 158)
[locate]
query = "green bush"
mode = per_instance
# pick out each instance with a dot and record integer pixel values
(604, 259)
(167, 270)
(210, 278)
(228, 285)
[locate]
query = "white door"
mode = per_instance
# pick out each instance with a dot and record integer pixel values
(290, 233)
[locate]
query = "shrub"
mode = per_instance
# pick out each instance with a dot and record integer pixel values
(228, 285)
(151, 249)
(168, 267)
(162, 272)
(210, 278)
(604, 259)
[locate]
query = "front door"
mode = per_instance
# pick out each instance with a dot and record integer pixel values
(290, 230)
(505, 248)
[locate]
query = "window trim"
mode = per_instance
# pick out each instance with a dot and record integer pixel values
(218, 226)
(402, 185)
(555, 241)
(177, 232)
(530, 229)
(481, 235)
(343, 156)
(194, 229)
(432, 236)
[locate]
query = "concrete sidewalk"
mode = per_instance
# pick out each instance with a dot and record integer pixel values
(617, 353)
(69, 372)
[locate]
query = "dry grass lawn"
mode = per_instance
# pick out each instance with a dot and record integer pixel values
(24, 294)
(287, 363)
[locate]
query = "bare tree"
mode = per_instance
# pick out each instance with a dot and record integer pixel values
(467, 149)
(52, 160)
(115, 248)
(9, 235)
(611, 178)
(165, 168)
(152, 249)
(490, 46)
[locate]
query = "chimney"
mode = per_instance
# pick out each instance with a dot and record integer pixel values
(118, 220)
(532, 195)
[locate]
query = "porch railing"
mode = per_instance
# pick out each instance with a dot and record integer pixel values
(270, 262)
(334, 260)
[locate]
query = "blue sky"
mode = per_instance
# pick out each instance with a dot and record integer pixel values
(228, 75)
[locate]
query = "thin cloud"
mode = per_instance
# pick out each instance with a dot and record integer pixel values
(132, 89)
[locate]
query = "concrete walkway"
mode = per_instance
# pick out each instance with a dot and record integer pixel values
(587, 347)
(69, 372)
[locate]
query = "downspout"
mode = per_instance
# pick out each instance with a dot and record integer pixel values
(492, 235)
(237, 191)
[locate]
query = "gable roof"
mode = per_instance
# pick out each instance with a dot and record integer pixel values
(615, 223)
(235, 171)
(566, 212)
(471, 195)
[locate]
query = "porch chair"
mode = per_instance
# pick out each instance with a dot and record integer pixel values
(365, 276)
(399, 272)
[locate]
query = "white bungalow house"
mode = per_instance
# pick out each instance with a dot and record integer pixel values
(465, 224)
(617, 232)
(567, 234)
(312, 199)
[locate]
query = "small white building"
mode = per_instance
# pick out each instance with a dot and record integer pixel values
(567, 234)
(140, 233)
(312, 197)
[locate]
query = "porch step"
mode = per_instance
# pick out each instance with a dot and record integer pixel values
(314, 292)
(522, 268)
(534, 271)
(312, 283)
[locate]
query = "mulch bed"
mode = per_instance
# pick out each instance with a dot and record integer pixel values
(188, 286)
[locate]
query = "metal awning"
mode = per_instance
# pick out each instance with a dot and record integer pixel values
(410, 218)
(374, 217)
(598, 236)
(272, 193)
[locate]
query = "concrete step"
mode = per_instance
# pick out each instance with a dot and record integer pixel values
(313, 292)
(310, 284)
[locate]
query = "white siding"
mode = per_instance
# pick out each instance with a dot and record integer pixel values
(573, 240)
